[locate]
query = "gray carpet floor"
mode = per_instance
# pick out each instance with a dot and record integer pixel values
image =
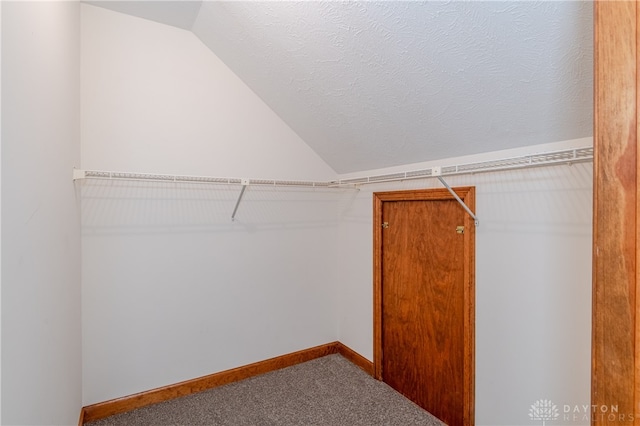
(328, 391)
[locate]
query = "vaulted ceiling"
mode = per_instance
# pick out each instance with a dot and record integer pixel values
(376, 84)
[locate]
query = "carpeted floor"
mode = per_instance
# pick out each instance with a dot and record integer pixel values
(328, 391)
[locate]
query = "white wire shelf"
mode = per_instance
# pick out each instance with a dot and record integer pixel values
(568, 156)
(153, 177)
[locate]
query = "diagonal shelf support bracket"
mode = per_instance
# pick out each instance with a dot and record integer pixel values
(245, 183)
(464, 206)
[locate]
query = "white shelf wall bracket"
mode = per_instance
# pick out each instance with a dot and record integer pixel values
(245, 183)
(464, 206)
(78, 174)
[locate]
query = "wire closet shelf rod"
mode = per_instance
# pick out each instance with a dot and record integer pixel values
(568, 156)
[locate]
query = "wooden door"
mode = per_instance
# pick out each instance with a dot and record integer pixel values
(425, 293)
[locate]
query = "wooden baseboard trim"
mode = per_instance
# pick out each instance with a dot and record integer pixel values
(81, 419)
(188, 387)
(355, 358)
(138, 400)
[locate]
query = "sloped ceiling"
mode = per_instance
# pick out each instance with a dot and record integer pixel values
(181, 14)
(376, 84)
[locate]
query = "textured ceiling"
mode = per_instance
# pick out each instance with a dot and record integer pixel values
(376, 84)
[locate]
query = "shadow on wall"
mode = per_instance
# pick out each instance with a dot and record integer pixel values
(127, 207)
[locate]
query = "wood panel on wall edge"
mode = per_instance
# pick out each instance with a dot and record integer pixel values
(615, 374)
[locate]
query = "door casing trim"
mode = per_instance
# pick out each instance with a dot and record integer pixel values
(467, 194)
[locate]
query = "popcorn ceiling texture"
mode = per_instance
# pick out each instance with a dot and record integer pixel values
(376, 84)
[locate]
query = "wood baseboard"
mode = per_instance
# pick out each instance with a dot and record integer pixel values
(355, 358)
(165, 393)
(81, 419)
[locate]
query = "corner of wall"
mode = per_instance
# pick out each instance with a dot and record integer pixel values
(40, 257)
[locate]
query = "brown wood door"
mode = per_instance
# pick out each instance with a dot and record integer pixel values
(426, 300)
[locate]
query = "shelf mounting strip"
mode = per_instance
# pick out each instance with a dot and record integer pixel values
(567, 156)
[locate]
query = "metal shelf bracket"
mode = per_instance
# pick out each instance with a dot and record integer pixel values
(464, 206)
(245, 183)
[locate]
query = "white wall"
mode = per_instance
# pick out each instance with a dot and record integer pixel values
(41, 335)
(533, 282)
(172, 288)
(156, 99)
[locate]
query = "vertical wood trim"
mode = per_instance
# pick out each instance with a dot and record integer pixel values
(614, 379)
(467, 194)
(636, 329)
(470, 308)
(377, 287)
(636, 393)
